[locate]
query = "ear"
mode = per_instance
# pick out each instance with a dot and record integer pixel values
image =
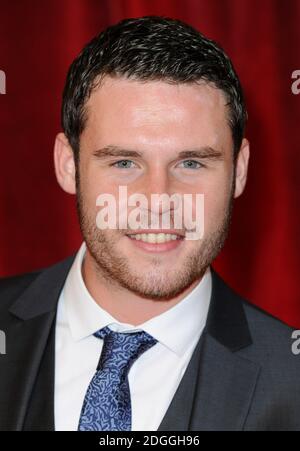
(242, 168)
(64, 164)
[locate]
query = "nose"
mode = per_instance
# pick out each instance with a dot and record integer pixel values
(157, 188)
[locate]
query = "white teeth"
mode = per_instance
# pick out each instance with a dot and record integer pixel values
(161, 237)
(154, 237)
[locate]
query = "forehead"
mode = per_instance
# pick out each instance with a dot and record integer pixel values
(157, 108)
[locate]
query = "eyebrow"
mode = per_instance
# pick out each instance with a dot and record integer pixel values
(205, 152)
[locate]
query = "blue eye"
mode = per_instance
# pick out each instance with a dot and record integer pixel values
(122, 164)
(192, 164)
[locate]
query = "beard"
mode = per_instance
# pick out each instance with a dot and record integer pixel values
(155, 281)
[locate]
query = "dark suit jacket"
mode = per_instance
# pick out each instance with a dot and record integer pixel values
(242, 374)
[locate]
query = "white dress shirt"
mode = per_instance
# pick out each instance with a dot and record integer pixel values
(153, 377)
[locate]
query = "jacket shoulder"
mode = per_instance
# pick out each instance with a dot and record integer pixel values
(11, 287)
(272, 339)
(273, 343)
(265, 324)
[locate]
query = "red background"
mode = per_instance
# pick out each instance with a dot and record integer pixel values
(38, 223)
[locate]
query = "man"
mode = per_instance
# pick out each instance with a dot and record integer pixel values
(137, 331)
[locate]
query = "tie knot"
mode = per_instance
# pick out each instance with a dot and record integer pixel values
(122, 349)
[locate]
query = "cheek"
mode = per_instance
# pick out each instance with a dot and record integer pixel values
(92, 185)
(216, 205)
(89, 194)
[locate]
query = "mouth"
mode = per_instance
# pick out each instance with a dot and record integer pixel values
(156, 241)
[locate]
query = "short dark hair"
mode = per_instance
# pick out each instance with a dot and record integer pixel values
(150, 48)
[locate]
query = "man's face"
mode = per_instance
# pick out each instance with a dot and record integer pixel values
(157, 120)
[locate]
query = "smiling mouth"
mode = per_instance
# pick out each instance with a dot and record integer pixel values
(155, 238)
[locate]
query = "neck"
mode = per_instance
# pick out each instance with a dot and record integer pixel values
(122, 304)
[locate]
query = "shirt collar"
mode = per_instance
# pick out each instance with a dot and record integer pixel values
(178, 328)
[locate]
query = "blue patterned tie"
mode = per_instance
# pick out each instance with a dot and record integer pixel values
(107, 403)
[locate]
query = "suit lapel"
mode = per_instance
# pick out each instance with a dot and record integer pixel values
(18, 368)
(29, 343)
(216, 390)
(40, 410)
(224, 390)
